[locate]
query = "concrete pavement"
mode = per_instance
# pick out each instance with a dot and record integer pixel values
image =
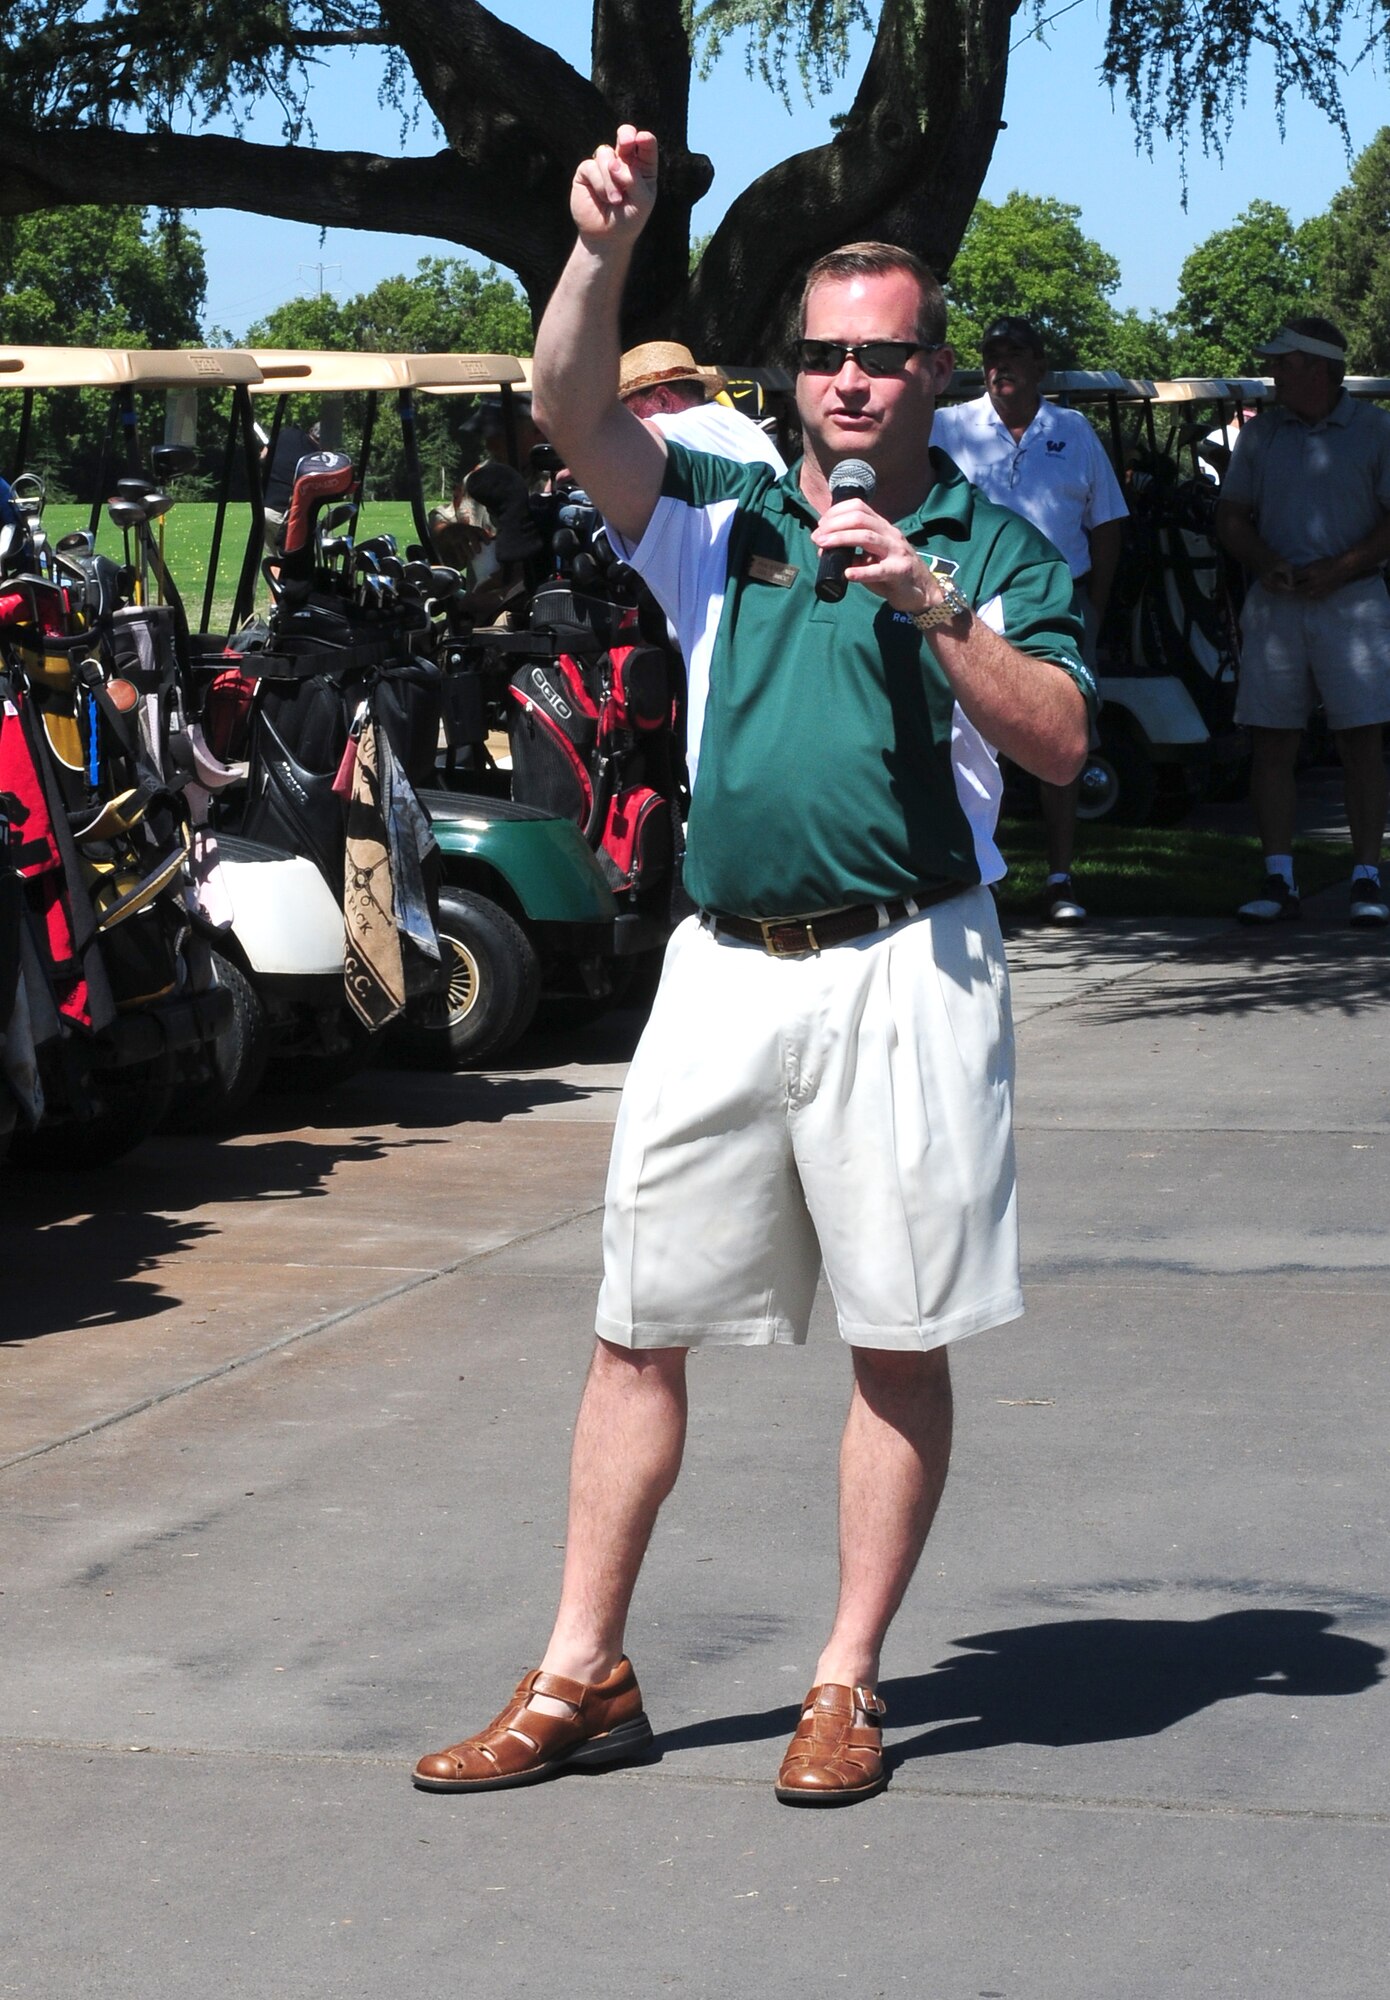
(283, 1421)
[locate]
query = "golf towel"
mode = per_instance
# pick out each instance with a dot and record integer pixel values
(386, 912)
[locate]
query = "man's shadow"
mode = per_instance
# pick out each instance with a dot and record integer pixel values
(1094, 1680)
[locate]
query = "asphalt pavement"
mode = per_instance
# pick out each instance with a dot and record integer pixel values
(283, 1429)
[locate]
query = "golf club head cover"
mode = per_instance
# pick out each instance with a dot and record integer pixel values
(319, 477)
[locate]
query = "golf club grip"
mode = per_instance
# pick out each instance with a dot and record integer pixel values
(311, 491)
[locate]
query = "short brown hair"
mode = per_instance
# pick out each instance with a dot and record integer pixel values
(876, 260)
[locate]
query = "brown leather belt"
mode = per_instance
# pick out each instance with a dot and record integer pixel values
(799, 937)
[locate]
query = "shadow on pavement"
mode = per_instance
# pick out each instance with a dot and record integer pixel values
(431, 1100)
(1093, 1680)
(411, 1100)
(76, 1248)
(1260, 971)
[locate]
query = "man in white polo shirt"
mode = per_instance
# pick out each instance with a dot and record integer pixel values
(1305, 507)
(1047, 464)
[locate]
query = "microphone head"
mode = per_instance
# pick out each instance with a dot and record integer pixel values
(852, 479)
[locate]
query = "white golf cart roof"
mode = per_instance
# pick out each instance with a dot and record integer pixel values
(487, 376)
(121, 367)
(1072, 385)
(1252, 388)
(329, 373)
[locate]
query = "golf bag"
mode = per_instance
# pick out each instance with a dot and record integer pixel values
(323, 676)
(591, 737)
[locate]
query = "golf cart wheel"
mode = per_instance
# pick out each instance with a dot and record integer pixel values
(213, 1084)
(493, 986)
(1118, 780)
(127, 1105)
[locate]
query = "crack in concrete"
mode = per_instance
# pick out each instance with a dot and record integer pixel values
(949, 1794)
(291, 1339)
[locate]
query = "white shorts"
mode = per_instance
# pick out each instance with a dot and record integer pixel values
(855, 1106)
(1296, 653)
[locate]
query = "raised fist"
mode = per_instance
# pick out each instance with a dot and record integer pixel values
(612, 194)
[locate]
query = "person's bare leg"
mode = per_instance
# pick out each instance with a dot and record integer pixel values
(628, 1440)
(1059, 823)
(1363, 772)
(1273, 787)
(893, 1459)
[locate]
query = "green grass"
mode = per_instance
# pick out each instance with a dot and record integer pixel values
(1148, 871)
(188, 543)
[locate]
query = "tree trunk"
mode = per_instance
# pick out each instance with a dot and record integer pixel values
(906, 165)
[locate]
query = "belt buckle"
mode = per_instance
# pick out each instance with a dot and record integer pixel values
(786, 938)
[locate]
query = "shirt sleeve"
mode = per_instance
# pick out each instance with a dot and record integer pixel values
(1241, 485)
(683, 555)
(1382, 481)
(1106, 501)
(1033, 605)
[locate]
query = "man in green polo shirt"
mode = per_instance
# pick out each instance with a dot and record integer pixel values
(826, 1078)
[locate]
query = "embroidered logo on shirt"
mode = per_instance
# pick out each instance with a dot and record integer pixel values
(763, 569)
(1056, 444)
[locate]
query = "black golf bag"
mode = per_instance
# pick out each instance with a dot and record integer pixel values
(591, 731)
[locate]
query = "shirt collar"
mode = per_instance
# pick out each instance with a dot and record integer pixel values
(1341, 414)
(1043, 421)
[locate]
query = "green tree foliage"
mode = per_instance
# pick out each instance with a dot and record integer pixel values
(1239, 285)
(1028, 254)
(1141, 346)
(447, 307)
(148, 103)
(99, 277)
(1357, 259)
(91, 277)
(1184, 65)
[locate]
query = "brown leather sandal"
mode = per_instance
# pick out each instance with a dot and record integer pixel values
(524, 1744)
(836, 1755)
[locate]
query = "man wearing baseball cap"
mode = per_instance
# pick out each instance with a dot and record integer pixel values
(1305, 507)
(1047, 464)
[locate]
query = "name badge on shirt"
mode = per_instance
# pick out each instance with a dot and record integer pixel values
(762, 569)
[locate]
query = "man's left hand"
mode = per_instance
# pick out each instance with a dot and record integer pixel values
(889, 565)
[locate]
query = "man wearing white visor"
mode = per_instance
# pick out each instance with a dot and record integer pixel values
(1305, 507)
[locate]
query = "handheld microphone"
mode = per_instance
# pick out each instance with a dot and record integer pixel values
(851, 479)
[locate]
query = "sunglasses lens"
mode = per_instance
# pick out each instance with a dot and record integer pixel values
(822, 357)
(875, 357)
(885, 357)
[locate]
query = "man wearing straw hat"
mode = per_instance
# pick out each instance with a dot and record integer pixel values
(663, 383)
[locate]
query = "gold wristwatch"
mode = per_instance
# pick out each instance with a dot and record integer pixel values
(950, 608)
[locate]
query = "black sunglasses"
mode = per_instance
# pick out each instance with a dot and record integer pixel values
(875, 357)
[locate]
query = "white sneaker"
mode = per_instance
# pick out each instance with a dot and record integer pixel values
(1276, 903)
(1059, 901)
(1368, 904)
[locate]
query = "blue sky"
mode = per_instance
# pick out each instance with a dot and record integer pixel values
(1064, 138)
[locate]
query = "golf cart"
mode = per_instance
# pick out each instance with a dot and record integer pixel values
(107, 987)
(526, 910)
(272, 927)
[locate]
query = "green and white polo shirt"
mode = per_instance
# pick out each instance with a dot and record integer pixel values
(830, 761)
